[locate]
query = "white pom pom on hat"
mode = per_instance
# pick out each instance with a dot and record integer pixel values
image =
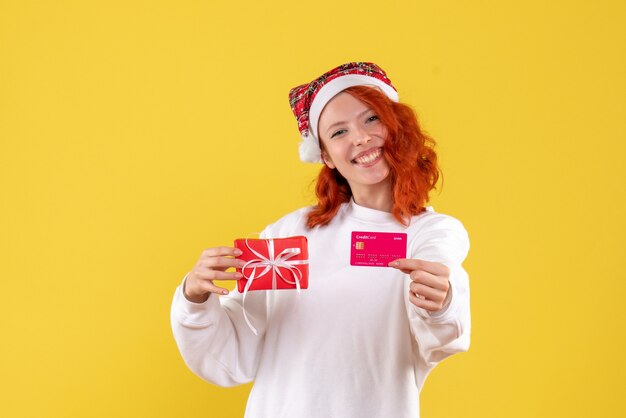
(309, 150)
(308, 100)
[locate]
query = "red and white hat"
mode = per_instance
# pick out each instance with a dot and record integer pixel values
(308, 100)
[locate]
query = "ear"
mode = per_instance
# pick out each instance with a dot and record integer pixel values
(327, 159)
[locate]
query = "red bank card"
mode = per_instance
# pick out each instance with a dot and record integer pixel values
(376, 249)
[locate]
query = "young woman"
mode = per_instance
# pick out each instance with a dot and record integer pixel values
(360, 341)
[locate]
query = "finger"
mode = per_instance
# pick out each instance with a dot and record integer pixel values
(217, 275)
(426, 292)
(425, 278)
(210, 287)
(426, 304)
(198, 287)
(222, 263)
(409, 264)
(221, 251)
(414, 293)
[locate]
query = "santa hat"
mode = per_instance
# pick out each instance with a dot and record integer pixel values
(308, 100)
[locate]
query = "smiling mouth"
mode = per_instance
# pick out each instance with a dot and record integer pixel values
(369, 158)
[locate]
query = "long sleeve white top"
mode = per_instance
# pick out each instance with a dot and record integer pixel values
(352, 344)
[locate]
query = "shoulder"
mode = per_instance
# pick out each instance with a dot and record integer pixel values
(293, 223)
(429, 220)
(431, 231)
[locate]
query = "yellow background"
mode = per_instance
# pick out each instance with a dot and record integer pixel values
(134, 134)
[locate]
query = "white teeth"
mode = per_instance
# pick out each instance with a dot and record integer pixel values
(366, 159)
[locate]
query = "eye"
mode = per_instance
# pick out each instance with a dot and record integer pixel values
(372, 118)
(339, 132)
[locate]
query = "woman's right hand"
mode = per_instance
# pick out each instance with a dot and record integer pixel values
(212, 265)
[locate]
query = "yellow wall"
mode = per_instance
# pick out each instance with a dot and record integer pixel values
(135, 134)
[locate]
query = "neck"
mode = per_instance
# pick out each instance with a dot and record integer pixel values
(377, 197)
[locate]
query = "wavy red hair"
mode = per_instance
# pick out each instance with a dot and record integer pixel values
(409, 152)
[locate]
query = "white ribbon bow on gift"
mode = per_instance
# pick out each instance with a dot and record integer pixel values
(273, 264)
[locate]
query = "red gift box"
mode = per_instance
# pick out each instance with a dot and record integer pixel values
(278, 263)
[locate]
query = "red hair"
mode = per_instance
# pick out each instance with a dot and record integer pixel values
(409, 152)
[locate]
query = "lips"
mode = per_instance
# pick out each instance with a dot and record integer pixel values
(368, 157)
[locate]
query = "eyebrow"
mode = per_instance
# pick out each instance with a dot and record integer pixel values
(342, 122)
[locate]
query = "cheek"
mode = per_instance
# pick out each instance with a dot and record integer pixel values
(335, 151)
(382, 132)
(329, 155)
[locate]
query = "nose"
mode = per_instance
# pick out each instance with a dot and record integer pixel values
(361, 136)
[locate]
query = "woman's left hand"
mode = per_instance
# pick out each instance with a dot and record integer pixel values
(429, 282)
